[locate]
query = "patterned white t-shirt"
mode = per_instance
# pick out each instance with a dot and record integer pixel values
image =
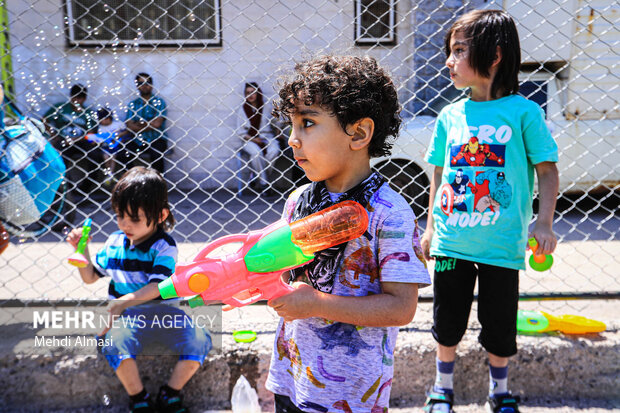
(324, 365)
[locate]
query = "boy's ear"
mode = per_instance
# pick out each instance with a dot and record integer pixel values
(164, 215)
(363, 131)
(498, 56)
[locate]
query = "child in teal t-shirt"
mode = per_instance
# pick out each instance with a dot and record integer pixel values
(486, 149)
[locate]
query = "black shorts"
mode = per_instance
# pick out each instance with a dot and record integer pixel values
(283, 404)
(498, 297)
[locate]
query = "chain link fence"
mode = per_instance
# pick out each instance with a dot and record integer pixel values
(200, 55)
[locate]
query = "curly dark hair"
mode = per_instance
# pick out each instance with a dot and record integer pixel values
(350, 87)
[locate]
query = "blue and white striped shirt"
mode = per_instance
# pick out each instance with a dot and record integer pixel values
(134, 266)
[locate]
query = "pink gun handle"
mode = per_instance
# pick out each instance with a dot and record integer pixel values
(248, 240)
(273, 290)
(229, 239)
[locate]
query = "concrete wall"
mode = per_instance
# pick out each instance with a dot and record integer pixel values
(553, 368)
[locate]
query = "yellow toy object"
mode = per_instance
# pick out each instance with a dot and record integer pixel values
(541, 322)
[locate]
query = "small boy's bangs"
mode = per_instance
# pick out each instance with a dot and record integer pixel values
(292, 97)
(145, 189)
(484, 31)
(126, 201)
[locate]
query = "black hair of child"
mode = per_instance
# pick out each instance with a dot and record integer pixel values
(104, 113)
(145, 77)
(351, 88)
(485, 30)
(78, 91)
(144, 188)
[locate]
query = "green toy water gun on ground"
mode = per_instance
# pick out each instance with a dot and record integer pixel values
(530, 322)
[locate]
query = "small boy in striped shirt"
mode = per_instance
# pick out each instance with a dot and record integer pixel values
(137, 258)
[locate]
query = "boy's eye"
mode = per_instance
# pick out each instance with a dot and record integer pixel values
(306, 123)
(459, 51)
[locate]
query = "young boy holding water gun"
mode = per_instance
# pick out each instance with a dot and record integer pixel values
(137, 258)
(491, 143)
(335, 341)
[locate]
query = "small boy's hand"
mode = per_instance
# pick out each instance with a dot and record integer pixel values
(73, 238)
(546, 239)
(425, 243)
(115, 309)
(296, 304)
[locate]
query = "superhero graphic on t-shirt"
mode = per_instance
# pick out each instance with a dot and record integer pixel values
(498, 194)
(474, 153)
(459, 187)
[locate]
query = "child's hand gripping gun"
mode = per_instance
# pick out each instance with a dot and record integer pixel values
(540, 262)
(77, 258)
(254, 271)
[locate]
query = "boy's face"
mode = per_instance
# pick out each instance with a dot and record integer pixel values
(136, 230)
(106, 121)
(461, 73)
(320, 146)
(144, 87)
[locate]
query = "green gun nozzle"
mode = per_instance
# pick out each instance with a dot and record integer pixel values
(196, 301)
(166, 289)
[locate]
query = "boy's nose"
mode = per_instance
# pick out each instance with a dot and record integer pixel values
(293, 142)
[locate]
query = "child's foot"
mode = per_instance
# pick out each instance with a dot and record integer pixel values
(170, 401)
(503, 403)
(142, 406)
(439, 401)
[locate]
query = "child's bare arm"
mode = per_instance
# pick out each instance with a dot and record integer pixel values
(87, 273)
(425, 242)
(395, 306)
(548, 184)
(117, 306)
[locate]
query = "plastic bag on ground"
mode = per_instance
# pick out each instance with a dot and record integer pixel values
(244, 398)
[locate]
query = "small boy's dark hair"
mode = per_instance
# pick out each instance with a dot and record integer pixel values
(485, 30)
(142, 188)
(78, 91)
(104, 113)
(351, 88)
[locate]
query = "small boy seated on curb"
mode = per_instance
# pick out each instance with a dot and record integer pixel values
(137, 258)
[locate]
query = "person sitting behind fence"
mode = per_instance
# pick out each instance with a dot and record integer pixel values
(256, 132)
(109, 125)
(67, 124)
(146, 118)
(137, 258)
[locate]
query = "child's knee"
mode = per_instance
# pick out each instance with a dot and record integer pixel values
(121, 341)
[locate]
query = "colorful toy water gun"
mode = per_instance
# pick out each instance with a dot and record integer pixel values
(77, 258)
(254, 271)
(540, 262)
(541, 322)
